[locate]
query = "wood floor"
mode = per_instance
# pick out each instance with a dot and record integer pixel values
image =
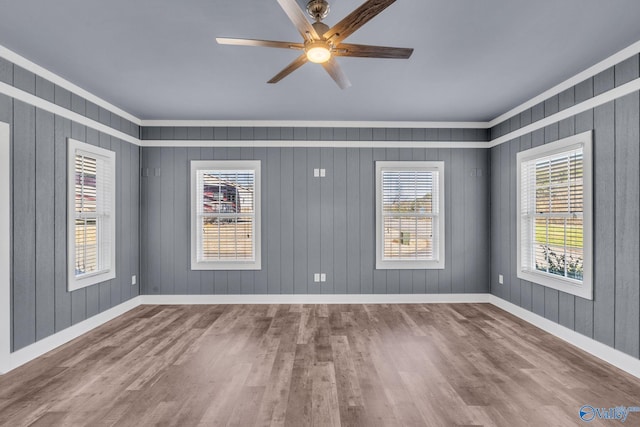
(323, 365)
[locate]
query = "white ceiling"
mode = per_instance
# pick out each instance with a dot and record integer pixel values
(473, 59)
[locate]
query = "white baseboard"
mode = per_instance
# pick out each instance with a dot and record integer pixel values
(11, 361)
(315, 299)
(609, 354)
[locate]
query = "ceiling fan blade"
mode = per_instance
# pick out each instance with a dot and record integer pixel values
(297, 16)
(356, 19)
(366, 51)
(336, 73)
(262, 43)
(297, 63)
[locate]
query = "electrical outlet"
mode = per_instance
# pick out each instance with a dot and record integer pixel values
(500, 279)
(323, 173)
(133, 280)
(323, 277)
(316, 277)
(316, 172)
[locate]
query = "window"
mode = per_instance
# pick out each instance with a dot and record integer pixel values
(225, 215)
(410, 215)
(554, 215)
(91, 215)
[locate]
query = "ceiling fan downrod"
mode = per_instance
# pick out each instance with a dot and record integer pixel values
(318, 9)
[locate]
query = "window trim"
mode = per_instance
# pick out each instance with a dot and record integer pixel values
(381, 263)
(74, 282)
(256, 263)
(570, 286)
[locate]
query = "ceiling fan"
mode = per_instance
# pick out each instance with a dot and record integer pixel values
(322, 44)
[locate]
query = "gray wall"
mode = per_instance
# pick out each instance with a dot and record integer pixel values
(312, 225)
(613, 317)
(41, 304)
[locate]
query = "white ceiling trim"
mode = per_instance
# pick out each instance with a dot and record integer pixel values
(317, 123)
(589, 72)
(611, 95)
(56, 79)
(614, 59)
(314, 144)
(43, 104)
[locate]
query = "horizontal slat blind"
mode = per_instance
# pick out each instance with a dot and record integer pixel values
(93, 192)
(410, 214)
(225, 215)
(552, 212)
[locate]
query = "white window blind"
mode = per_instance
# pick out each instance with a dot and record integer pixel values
(553, 236)
(410, 232)
(225, 215)
(91, 214)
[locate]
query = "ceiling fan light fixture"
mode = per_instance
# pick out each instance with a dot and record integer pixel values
(318, 52)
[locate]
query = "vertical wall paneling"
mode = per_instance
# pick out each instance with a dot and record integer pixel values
(312, 224)
(627, 230)
(514, 285)
(457, 185)
(286, 220)
(470, 213)
(45, 226)
(134, 236)
(352, 190)
(272, 220)
(327, 219)
(167, 219)
(367, 223)
(41, 304)
(495, 221)
(181, 228)
(613, 316)
(24, 202)
(300, 221)
(62, 297)
(604, 224)
(339, 216)
(314, 218)
(5, 230)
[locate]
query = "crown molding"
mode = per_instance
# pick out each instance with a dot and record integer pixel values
(316, 123)
(606, 63)
(45, 105)
(603, 98)
(21, 61)
(590, 72)
(313, 144)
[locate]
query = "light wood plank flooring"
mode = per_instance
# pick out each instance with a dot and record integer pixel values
(322, 365)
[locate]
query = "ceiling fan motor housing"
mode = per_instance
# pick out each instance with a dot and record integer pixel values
(318, 9)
